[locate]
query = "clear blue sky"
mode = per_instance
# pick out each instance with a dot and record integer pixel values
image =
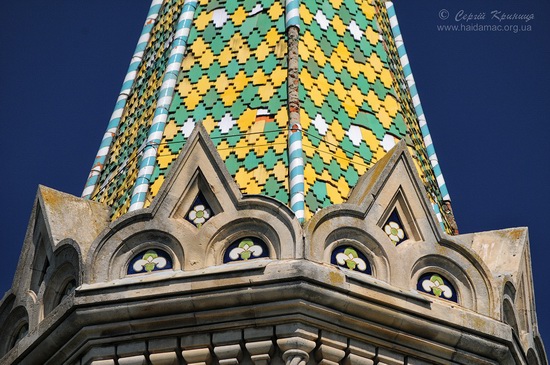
(486, 96)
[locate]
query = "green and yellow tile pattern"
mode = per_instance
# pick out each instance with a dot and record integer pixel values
(355, 103)
(350, 111)
(233, 80)
(117, 178)
(415, 140)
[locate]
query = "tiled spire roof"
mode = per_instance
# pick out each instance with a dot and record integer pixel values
(298, 104)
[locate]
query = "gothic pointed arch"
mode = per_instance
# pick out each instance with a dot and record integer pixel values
(198, 182)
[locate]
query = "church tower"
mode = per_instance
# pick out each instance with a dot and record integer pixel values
(267, 192)
(299, 102)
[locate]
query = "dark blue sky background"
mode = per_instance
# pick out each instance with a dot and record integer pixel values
(486, 96)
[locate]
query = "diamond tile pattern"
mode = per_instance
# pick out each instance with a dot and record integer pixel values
(117, 179)
(349, 104)
(355, 102)
(233, 80)
(417, 146)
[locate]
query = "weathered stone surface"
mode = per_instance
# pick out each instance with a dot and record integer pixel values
(162, 344)
(132, 360)
(164, 358)
(386, 357)
(260, 351)
(198, 356)
(131, 348)
(95, 354)
(295, 305)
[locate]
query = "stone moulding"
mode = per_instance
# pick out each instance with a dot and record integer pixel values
(338, 315)
(306, 293)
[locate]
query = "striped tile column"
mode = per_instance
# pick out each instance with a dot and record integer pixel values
(295, 150)
(292, 13)
(416, 101)
(296, 172)
(112, 127)
(164, 100)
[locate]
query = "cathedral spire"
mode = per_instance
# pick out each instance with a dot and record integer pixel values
(112, 128)
(299, 99)
(267, 193)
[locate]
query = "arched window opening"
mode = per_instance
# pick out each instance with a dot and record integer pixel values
(509, 316)
(21, 332)
(67, 290)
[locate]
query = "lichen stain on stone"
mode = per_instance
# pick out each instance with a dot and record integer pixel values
(515, 233)
(336, 278)
(441, 250)
(478, 322)
(51, 198)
